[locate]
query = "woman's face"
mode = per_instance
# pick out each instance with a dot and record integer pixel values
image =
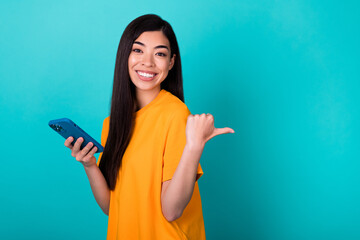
(150, 61)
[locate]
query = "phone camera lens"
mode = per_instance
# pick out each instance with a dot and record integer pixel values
(57, 128)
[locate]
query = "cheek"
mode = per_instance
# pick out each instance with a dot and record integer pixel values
(131, 64)
(164, 65)
(131, 61)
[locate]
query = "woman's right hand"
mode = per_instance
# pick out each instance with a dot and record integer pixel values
(97, 181)
(85, 156)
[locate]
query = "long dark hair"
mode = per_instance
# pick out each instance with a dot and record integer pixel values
(123, 96)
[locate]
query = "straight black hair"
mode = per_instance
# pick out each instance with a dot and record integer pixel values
(123, 101)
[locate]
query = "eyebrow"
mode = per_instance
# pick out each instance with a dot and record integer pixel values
(159, 46)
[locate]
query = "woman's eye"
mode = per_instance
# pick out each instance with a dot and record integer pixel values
(161, 54)
(136, 50)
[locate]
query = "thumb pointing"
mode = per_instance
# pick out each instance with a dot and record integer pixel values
(224, 130)
(218, 131)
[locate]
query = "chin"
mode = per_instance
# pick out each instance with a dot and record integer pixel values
(147, 88)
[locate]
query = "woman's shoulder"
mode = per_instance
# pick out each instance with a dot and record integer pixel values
(106, 120)
(172, 105)
(168, 107)
(106, 124)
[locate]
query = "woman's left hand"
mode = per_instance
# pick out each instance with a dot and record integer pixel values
(200, 129)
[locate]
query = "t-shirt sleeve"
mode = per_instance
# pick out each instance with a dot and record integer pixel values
(104, 135)
(175, 143)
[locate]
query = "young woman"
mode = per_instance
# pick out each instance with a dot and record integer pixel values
(146, 178)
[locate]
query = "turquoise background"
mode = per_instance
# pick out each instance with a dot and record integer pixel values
(284, 74)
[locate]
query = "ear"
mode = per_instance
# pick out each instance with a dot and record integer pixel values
(172, 62)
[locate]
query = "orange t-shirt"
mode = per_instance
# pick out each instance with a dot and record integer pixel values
(151, 158)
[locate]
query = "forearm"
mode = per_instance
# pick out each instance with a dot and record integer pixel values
(99, 187)
(179, 191)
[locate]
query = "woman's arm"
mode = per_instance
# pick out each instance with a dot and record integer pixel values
(176, 193)
(97, 181)
(99, 187)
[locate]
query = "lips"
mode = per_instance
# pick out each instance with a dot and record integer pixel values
(146, 75)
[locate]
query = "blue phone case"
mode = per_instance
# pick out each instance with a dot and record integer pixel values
(66, 128)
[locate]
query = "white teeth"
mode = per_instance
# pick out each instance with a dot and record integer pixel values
(148, 75)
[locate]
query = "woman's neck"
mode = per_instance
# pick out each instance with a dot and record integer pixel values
(144, 97)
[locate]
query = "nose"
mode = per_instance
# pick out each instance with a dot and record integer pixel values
(147, 60)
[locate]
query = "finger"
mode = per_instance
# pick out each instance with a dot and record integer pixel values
(218, 131)
(91, 153)
(68, 142)
(77, 144)
(84, 151)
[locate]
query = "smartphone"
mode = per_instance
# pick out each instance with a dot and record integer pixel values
(67, 128)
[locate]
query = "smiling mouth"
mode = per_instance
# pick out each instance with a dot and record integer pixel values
(145, 75)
